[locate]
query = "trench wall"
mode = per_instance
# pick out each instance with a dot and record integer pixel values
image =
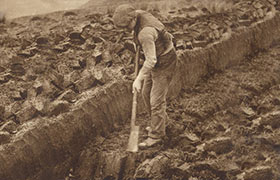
(45, 148)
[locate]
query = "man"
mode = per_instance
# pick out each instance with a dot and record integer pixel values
(158, 68)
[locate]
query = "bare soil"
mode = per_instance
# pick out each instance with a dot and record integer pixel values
(223, 128)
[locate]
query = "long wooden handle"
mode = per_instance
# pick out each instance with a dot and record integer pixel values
(134, 102)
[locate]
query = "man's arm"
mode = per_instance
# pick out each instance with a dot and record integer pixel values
(147, 38)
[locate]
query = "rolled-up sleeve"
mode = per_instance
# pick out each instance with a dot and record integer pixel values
(147, 38)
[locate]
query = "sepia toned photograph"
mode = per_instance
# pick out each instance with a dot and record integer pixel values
(139, 89)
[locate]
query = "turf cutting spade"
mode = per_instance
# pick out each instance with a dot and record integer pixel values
(134, 130)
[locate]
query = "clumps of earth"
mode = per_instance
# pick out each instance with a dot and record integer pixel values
(48, 61)
(224, 128)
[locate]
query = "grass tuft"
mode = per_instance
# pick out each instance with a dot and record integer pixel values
(214, 6)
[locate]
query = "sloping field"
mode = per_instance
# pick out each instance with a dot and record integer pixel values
(66, 79)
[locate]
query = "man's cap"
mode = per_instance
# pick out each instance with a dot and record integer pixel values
(123, 15)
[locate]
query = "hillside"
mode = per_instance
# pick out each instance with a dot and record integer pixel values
(52, 64)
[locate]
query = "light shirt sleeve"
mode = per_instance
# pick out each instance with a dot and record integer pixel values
(147, 38)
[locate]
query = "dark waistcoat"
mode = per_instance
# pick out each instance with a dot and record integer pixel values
(145, 19)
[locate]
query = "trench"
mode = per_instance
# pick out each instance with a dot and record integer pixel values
(48, 147)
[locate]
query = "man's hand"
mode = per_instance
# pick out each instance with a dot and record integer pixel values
(137, 84)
